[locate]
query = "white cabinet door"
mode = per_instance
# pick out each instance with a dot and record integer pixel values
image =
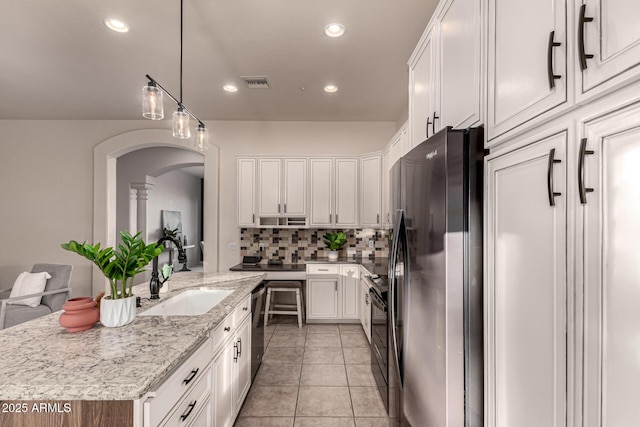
(246, 192)
(269, 185)
(386, 179)
(460, 64)
(321, 192)
(350, 291)
(322, 298)
(613, 38)
(365, 309)
(370, 191)
(422, 77)
(346, 192)
(522, 61)
(609, 265)
(242, 363)
(223, 386)
(526, 292)
(295, 187)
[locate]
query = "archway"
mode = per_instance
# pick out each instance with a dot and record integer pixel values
(105, 157)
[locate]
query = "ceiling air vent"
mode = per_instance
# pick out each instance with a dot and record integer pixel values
(256, 82)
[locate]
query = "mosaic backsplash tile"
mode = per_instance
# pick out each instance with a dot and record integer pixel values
(293, 245)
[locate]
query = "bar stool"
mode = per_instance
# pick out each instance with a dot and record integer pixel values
(284, 286)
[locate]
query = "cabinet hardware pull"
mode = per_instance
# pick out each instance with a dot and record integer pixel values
(552, 161)
(191, 376)
(253, 218)
(366, 299)
(227, 328)
(378, 218)
(434, 122)
(330, 216)
(335, 286)
(278, 207)
(582, 189)
(285, 208)
(184, 416)
(429, 122)
(552, 44)
(239, 347)
(235, 352)
(245, 308)
(323, 269)
(336, 218)
(581, 21)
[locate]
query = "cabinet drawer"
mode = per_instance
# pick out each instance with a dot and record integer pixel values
(323, 268)
(222, 332)
(241, 311)
(188, 409)
(177, 384)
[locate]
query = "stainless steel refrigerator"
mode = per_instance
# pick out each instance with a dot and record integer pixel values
(435, 278)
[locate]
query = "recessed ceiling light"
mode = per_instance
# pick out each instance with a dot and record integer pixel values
(116, 25)
(331, 88)
(230, 88)
(334, 30)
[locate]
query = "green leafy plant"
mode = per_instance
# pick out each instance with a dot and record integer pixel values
(118, 266)
(335, 241)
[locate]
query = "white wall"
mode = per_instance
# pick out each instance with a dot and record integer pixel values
(46, 179)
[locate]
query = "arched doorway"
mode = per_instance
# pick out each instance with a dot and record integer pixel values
(105, 157)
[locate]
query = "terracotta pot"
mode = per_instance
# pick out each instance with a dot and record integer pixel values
(117, 312)
(79, 314)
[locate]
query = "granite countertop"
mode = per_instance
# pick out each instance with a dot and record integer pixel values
(40, 360)
(373, 265)
(269, 267)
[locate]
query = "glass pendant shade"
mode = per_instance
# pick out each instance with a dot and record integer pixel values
(152, 106)
(200, 142)
(181, 124)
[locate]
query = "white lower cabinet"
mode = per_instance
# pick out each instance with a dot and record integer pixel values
(333, 292)
(365, 308)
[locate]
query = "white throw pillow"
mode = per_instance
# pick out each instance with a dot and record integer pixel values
(27, 284)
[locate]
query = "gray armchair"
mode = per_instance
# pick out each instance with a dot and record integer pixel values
(55, 294)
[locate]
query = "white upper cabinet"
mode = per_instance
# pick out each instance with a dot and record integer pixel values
(460, 60)
(346, 192)
(321, 190)
(370, 191)
(269, 186)
(295, 187)
(246, 192)
(422, 77)
(527, 54)
(608, 38)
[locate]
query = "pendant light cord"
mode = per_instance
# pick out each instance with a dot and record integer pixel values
(181, 20)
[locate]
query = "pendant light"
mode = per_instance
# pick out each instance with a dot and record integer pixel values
(152, 107)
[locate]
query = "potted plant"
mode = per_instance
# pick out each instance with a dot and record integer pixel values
(334, 242)
(119, 266)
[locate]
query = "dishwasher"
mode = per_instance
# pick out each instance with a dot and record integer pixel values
(257, 328)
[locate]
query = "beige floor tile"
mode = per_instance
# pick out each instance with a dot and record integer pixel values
(278, 375)
(323, 356)
(367, 402)
(354, 340)
(323, 422)
(264, 422)
(323, 375)
(270, 401)
(323, 340)
(323, 402)
(350, 328)
(283, 355)
(360, 375)
(372, 422)
(293, 332)
(357, 355)
(287, 340)
(318, 328)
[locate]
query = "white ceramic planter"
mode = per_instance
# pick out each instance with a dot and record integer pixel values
(119, 312)
(333, 255)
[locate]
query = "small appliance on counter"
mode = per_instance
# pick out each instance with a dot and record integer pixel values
(251, 260)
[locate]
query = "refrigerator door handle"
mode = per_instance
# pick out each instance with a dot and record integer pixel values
(392, 292)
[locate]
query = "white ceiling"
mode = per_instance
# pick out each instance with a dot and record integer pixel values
(58, 60)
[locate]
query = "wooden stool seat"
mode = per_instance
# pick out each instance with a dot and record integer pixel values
(292, 309)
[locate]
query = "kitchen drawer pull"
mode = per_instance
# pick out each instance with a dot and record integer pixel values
(227, 328)
(239, 347)
(191, 376)
(366, 299)
(323, 269)
(184, 416)
(582, 189)
(434, 122)
(581, 21)
(245, 308)
(429, 123)
(552, 77)
(235, 352)
(552, 161)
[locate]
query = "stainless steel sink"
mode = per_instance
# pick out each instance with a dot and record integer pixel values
(193, 302)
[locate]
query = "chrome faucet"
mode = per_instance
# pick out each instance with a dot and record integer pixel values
(156, 283)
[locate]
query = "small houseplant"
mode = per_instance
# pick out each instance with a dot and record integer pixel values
(334, 242)
(119, 266)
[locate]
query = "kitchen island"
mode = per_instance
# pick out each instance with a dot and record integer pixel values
(41, 361)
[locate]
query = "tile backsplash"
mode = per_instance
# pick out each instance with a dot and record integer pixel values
(293, 245)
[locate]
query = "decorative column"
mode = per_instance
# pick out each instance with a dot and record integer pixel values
(142, 196)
